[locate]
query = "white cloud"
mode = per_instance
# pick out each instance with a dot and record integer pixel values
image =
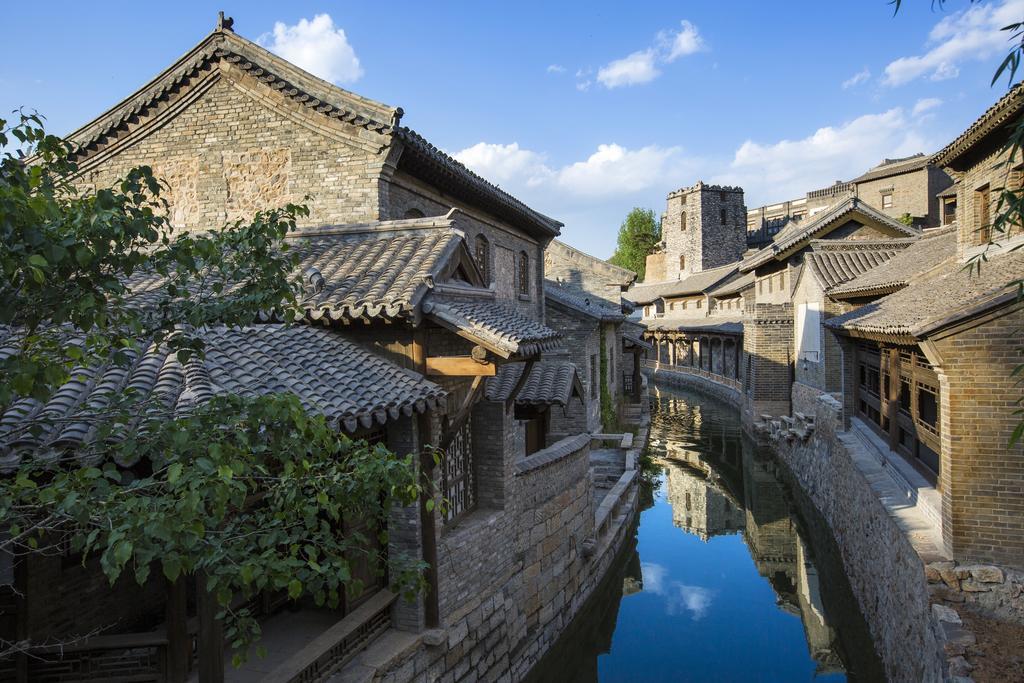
(925, 104)
(972, 34)
(556, 69)
(317, 46)
(789, 168)
(642, 66)
(614, 169)
(678, 596)
(505, 163)
(686, 42)
(858, 78)
(636, 68)
(611, 170)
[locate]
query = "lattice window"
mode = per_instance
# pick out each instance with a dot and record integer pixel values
(458, 485)
(524, 273)
(483, 257)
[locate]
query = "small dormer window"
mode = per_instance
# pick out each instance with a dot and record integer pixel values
(887, 200)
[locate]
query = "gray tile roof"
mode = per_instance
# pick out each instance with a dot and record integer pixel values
(1008, 106)
(926, 253)
(371, 274)
(831, 217)
(723, 324)
(695, 283)
(493, 325)
(891, 167)
(581, 302)
(734, 285)
(946, 294)
(551, 382)
(834, 262)
(330, 374)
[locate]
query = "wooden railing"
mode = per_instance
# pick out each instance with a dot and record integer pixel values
(335, 647)
(130, 657)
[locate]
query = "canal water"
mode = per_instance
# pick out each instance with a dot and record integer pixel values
(730, 576)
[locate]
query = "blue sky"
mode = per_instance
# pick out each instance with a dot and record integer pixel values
(582, 110)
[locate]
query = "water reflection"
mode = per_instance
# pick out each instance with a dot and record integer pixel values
(722, 584)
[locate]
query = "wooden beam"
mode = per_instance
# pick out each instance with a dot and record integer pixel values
(459, 366)
(211, 635)
(428, 531)
(179, 644)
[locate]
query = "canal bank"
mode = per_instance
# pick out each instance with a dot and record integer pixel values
(731, 579)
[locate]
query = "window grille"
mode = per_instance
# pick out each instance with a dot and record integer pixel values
(458, 485)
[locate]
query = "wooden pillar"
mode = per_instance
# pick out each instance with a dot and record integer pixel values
(428, 531)
(636, 373)
(179, 645)
(211, 635)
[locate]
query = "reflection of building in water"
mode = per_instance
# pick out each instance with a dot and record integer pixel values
(717, 484)
(781, 556)
(821, 637)
(699, 507)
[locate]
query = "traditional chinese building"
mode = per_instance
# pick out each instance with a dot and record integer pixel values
(422, 324)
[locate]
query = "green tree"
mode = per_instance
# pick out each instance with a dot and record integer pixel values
(245, 492)
(639, 234)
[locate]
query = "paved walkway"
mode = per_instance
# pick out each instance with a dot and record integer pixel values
(284, 634)
(922, 532)
(606, 466)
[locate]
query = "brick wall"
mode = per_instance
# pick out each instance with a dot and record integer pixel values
(565, 264)
(768, 342)
(506, 242)
(580, 344)
(982, 477)
(239, 148)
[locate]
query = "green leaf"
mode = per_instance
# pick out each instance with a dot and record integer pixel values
(38, 260)
(174, 472)
(123, 552)
(172, 567)
(294, 589)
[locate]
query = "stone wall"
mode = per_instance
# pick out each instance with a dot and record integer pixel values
(707, 385)
(506, 242)
(564, 264)
(706, 225)
(885, 573)
(582, 347)
(240, 148)
(514, 577)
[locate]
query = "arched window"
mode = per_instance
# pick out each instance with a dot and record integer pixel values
(482, 253)
(413, 213)
(524, 273)
(682, 262)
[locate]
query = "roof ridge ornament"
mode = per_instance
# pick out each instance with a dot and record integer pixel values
(225, 23)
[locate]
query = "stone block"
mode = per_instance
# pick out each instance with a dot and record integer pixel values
(945, 614)
(986, 573)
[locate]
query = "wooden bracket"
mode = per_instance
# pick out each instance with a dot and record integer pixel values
(520, 383)
(459, 366)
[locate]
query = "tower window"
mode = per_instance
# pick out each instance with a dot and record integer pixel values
(682, 262)
(725, 215)
(682, 220)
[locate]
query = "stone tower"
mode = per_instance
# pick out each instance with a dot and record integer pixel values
(704, 227)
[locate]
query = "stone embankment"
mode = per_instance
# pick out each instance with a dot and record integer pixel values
(891, 549)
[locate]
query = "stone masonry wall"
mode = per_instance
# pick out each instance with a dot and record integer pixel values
(506, 242)
(581, 346)
(513, 578)
(767, 343)
(239, 149)
(564, 264)
(885, 573)
(705, 241)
